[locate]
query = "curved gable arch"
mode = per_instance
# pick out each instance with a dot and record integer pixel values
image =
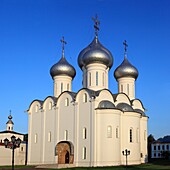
(49, 103)
(64, 96)
(105, 94)
(122, 98)
(35, 105)
(80, 94)
(137, 104)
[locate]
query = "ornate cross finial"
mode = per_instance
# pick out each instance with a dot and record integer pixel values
(96, 24)
(125, 45)
(63, 43)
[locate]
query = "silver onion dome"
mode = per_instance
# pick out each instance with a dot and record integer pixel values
(95, 52)
(126, 69)
(62, 68)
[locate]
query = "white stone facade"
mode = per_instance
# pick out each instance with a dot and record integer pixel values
(90, 127)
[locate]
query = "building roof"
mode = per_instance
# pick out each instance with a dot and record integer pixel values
(12, 132)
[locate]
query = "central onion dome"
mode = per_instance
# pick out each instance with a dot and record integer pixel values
(95, 52)
(126, 69)
(62, 67)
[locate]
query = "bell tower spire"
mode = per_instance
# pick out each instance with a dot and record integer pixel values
(9, 124)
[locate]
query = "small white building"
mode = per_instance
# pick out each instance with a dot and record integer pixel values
(161, 148)
(6, 153)
(90, 127)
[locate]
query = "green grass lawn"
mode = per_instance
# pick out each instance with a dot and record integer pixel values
(154, 164)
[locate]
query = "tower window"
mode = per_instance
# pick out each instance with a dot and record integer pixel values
(84, 153)
(61, 87)
(145, 135)
(97, 78)
(103, 79)
(109, 131)
(67, 87)
(137, 135)
(121, 88)
(127, 89)
(131, 135)
(89, 79)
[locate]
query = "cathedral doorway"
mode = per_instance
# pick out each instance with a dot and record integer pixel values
(65, 152)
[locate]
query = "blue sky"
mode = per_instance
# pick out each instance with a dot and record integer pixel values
(30, 33)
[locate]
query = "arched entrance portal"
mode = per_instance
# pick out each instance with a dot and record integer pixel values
(65, 152)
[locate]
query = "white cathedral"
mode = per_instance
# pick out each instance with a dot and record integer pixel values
(90, 127)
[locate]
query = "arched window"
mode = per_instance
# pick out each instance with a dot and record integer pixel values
(36, 108)
(61, 87)
(131, 135)
(66, 135)
(66, 102)
(36, 138)
(109, 131)
(50, 105)
(97, 78)
(68, 87)
(84, 153)
(84, 133)
(49, 136)
(89, 79)
(85, 98)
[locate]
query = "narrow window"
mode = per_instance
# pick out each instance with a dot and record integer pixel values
(137, 135)
(66, 135)
(68, 87)
(109, 131)
(49, 136)
(145, 135)
(117, 132)
(35, 138)
(155, 155)
(121, 88)
(61, 87)
(167, 147)
(50, 105)
(9, 128)
(163, 147)
(127, 89)
(1, 140)
(85, 98)
(84, 133)
(155, 148)
(84, 153)
(159, 147)
(66, 102)
(22, 148)
(97, 78)
(89, 79)
(131, 135)
(103, 79)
